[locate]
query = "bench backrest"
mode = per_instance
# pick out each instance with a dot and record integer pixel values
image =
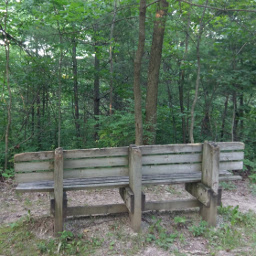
(107, 162)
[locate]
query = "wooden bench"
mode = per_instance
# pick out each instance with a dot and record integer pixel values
(199, 166)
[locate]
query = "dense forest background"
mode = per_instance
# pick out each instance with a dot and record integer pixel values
(86, 73)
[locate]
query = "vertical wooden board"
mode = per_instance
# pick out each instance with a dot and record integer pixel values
(210, 166)
(58, 191)
(135, 180)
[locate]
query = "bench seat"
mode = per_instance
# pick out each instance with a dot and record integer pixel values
(118, 182)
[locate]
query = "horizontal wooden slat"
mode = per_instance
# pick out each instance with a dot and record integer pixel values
(167, 159)
(170, 148)
(169, 169)
(34, 156)
(33, 177)
(99, 172)
(230, 178)
(95, 162)
(116, 182)
(174, 205)
(231, 165)
(230, 145)
(96, 209)
(231, 156)
(33, 166)
(95, 152)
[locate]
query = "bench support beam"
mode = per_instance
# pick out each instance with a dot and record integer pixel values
(58, 191)
(210, 178)
(135, 178)
(202, 193)
(128, 197)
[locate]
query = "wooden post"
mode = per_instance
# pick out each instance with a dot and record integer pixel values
(58, 191)
(210, 178)
(135, 177)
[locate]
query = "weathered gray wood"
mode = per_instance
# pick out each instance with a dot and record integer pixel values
(202, 193)
(231, 165)
(33, 177)
(231, 156)
(52, 204)
(34, 156)
(96, 210)
(210, 166)
(175, 158)
(230, 145)
(128, 197)
(171, 148)
(171, 169)
(95, 152)
(174, 205)
(97, 172)
(135, 177)
(210, 178)
(33, 166)
(96, 162)
(58, 191)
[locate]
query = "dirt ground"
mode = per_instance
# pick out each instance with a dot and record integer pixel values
(14, 206)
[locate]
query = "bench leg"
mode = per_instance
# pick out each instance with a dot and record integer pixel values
(135, 177)
(52, 204)
(209, 213)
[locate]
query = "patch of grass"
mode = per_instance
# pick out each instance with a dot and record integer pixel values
(252, 189)
(227, 185)
(160, 236)
(237, 232)
(200, 229)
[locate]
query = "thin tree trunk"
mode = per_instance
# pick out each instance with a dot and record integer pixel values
(7, 55)
(96, 92)
(137, 73)
(224, 118)
(182, 80)
(153, 71)
(75, 82)
(111, 60)
(201, 26)
(60, 85)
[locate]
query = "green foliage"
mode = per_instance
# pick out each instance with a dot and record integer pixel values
(228, 185)
(7, 174)
(180, 220)
(158, 235)
(200, 229)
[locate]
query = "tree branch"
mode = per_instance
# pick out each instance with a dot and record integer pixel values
(216, 8)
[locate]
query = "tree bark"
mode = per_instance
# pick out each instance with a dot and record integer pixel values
(224, 118)
(96, 92)
(111, 60)
(201, 26)
(75, 81)
(153, 71)
(137, 73)
(182, 81)
(7, 76)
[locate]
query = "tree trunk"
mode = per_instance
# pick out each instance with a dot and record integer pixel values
(201, 26)
(9, 106)
(224, 118)
(59, 86)
(137, 73)
(153, 71)
(96, 92)
(111, 60)
(182, 80)
(75, 81)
